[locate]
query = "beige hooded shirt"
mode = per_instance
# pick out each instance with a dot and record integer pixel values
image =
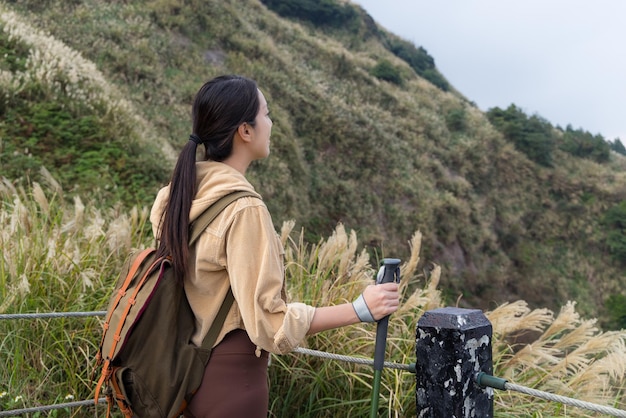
(239, 249)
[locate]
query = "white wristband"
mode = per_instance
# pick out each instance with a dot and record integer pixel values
(362, 310)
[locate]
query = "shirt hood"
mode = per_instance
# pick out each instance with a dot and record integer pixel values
(213, 181)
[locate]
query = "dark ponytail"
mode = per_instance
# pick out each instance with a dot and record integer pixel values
(220, 107)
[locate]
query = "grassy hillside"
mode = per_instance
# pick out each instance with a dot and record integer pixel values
(366, 132)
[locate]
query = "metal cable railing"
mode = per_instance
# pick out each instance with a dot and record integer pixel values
(35, 409)
(357, 360)
(52, 315)
(482, 378)
(486, 380)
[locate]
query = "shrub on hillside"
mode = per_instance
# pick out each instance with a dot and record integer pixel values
(532, 135)
(583, 144)
(14, 54)
(319, 12)
(436, 79)
(616, 307)
(615, 221)
(385, 70)
(617, 146)
(456, 120)
(418, 59)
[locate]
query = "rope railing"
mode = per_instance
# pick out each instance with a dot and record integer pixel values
(482, 379)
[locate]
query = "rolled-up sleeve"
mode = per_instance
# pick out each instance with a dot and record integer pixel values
(256, 271)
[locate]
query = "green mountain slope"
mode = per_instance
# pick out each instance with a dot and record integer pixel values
(366, 132)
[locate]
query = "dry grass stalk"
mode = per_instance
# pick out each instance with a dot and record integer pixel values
(570, 357)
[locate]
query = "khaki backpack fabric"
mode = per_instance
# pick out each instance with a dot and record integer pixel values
(148, 365)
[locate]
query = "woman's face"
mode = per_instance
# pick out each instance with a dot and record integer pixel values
(262, 129)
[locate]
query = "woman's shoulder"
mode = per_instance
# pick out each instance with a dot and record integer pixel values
(251, 207)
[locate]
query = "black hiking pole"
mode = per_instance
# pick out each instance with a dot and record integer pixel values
(389, 272)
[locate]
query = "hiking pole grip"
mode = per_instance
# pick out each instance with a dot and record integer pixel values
(388, 273)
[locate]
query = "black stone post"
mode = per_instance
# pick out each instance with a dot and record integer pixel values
(453, 345)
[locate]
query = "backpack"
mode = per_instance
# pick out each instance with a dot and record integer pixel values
(149, 366)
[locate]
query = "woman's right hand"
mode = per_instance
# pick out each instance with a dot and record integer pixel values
(382, 299)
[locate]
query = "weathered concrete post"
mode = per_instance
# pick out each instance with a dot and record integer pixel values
(453, 345)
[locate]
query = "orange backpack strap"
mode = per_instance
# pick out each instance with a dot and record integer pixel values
(106, 372)
(122, 290)
(131, 303)
(121, 401)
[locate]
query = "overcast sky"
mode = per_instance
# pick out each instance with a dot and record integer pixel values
(564, 60)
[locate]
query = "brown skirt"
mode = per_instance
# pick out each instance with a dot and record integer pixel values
(235, 381)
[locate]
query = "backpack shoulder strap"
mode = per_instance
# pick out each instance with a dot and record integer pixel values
(197, 227)
(202, 222)
(216, 326)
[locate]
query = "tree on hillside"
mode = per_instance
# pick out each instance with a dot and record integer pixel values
(583, 144)
(418, 58)
(318, 12)
(531, 135)
(618, 147)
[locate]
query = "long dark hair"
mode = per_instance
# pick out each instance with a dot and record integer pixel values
(219, 108)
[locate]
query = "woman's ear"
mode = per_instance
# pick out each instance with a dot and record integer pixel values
(244, 132)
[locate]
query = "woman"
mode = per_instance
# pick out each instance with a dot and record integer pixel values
(241, 250)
